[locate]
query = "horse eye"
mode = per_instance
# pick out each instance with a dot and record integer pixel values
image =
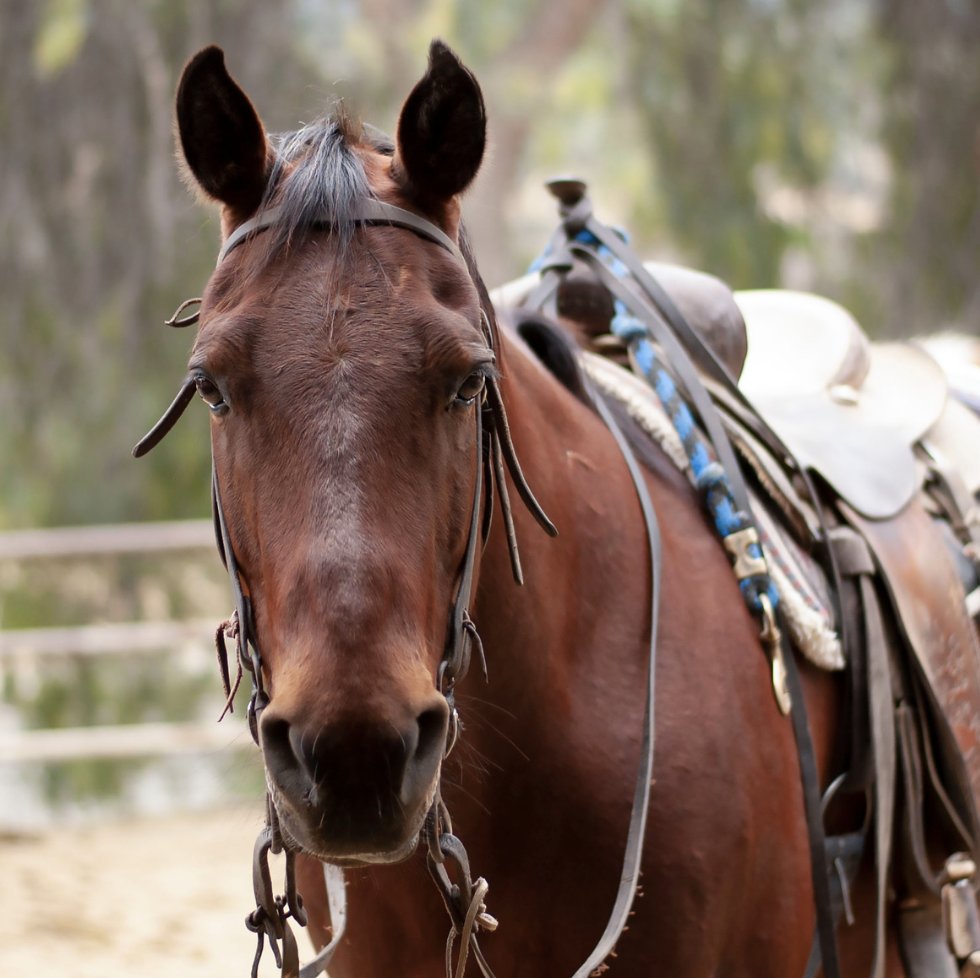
(471, 388)
(211, 395)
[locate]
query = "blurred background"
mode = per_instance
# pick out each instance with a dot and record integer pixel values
(829, 145)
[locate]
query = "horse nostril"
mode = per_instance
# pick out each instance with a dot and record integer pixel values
(432, 734)
(277, 745)
(370, 766)
(424, 763)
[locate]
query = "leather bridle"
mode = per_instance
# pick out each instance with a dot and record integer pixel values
(464, 897)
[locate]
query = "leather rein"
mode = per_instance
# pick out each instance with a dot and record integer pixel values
(464, 897)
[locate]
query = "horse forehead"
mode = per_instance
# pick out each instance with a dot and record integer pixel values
(400, 320)
(341, 319)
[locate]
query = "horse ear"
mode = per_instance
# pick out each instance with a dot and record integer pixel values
(221, 135)
(442, 130)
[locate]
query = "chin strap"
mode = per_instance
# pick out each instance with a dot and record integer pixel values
(465, 900)
(270, 918)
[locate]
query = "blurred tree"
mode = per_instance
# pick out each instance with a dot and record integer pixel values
(819, 146)
(516, 49)
(727, 101)
(927, 258)
(98, 238)
(768, 141)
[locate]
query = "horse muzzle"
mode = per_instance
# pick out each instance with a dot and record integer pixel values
(356, 789)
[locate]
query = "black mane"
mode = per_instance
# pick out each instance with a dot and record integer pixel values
(318, 179)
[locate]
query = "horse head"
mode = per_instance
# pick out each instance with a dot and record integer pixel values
(344, 361)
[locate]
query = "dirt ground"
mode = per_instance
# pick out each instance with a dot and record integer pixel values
(143, 899)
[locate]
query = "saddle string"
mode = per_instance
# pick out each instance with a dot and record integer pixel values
(586, 236)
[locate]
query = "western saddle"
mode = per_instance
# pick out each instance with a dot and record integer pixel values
(896, 462)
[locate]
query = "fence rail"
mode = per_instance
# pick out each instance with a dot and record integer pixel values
(120, 538)
(122, 741)
(124, 638)
(121, 638)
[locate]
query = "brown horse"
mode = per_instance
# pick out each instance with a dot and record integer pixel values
(345, 361)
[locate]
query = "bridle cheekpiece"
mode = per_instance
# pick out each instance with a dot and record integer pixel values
(464, 898)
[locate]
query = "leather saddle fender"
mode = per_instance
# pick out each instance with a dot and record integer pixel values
(928, 600)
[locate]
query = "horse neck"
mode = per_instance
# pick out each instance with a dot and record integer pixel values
(575, 471)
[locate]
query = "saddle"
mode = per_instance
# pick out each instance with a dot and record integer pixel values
(896, 462)
(842, 405)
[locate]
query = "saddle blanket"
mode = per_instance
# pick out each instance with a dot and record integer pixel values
(802, 588)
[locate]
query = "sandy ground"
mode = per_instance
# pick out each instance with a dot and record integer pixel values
(145, 899)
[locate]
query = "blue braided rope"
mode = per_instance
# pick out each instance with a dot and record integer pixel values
(710, 479)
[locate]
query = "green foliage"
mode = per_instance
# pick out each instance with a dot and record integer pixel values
(61, 33)
(722, 92)
(930, 249)
(732, 136)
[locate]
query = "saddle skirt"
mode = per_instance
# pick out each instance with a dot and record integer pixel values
(847, 409)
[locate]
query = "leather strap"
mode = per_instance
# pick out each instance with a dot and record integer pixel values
(660, 312)
(633, 855)
(169, 418)
(845, 854)
(456, 657)
(810, 779)
(669, 327)
(924, 950)
(336, 889)
(856, 560)
(680, 361)
(369, 212)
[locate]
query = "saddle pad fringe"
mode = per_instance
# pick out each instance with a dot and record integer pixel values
(809, 619)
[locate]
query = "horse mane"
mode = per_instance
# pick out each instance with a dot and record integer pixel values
(316, 177)
(556, 350)
(559, 353)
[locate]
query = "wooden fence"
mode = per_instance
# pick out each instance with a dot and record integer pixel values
(121, 639)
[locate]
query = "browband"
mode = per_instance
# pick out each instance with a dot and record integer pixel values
(369, 211)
